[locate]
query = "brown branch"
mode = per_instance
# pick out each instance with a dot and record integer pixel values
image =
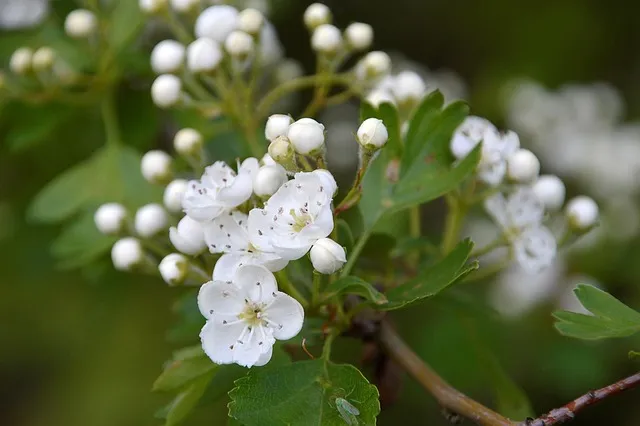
(445, 394)
(569, 411)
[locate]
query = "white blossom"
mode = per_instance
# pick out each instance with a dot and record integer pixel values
(204, 55)
(306, 135)
(21, 60)
(359, 35)
(316, 14)
(166, 90)
(156, 166)
(245, 316)
(217, 22)
(277, 125)
(174, 268)
(188, 236)
(150, 220)
(268, 180)
(239, 44)
(523, 166)
(372, 134)
(582, 213)
(80, 23)
(408, 86)
(188, 142)
(127, 253)
(173, 194)
(167, 57)
(327, 256)
(110, 218)
(326, 39)
(551, 191)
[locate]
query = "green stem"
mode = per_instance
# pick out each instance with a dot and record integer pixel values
(110, 120)
(453, 225)
(326, 349)
(489, 270)
(354, 194)
(355, 252)
(498, 242)
(414, 224)
(287, 285)
(177, 28)
(155, 248)
(315, 292)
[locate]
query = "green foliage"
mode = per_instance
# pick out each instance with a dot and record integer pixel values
(303, 393)
(355, 285)
(187, 400)
(611, 318)
(187, 365)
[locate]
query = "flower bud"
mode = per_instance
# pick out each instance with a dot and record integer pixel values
(167, 57)
(359, 36)
(408, 87)
(317, 14)
(582, 213)
(188, 142)
(372, 134)
(152, 7)
(523, 166)
(110, 218)
(239, 44)
(166, 90)
(174, 269)
(277, 125)
(327, 256)
(268, 180)
(80, 23)
(156, 166)
(173, 194)
(266, 160)
(326, 39)
(21, 61)
(374, 65)
(184, 6)
(306, 135)
(551, 191)
(150, 220)
(250, 21)
(379, 97)
(43, 59)
(217, 22)
(281, 150)
(127, 253)
(188, 236)
(203, 55)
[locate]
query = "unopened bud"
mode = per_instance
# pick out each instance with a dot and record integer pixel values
(21, 61)
(150, 220)
(173, 194)
(250, 21)
(217, 22)
(80, 23)
(166, 90)
(268, 180)
(327, 256)
(317, 14)
(152, 7)
(188, 236)
(306, 136)
(156, 167)
(551, 191)
(326, 39)
(239, 44)
(167, 57)
(127, 253)
(281, 150)
(43, 59)
(188, 142)
(582, 213)
(359, 36)
(174, 269)
(277, 125)
(110, 218)
(372, 134)
(523, 166)
(185, 6)
(203, 55)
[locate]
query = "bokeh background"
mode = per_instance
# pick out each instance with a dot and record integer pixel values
(82, 347)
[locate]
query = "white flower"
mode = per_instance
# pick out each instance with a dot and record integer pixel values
(326, 39)
(43, 59)
(520, 218)
(18, 14)
(295, 217)
(523, 166)
(374, 65)
(306, 135)
(551, 191)
(21, 60)
(245, 317)
(359, 36)
(166, 90)
(277, 125)
(150, 220)
(469, 134)
(316, 14)
(184, 6)
(217, 22)
(156, 166)
(582, 213)
(203, 55)
(110, 218)
(152, 6)
(379, 97)
(219, 190)
(372, 134)
(188, 142)
(127, 253)
(268, 180)
(250, 21)
(281, 149)
(188, 236)
(173, 194)
(327, 256)
(174, 268)
(408, 86)
(167, 57)
(80, 23)
(239, 44)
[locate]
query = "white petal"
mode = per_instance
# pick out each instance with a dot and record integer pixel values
(199, 202)
(271, 261)
(524, 208)
(228, 264)
(250, 166)
(492, 172)
(496, 207)
(265, 357)
(220, 298)
(292, 251)
(535, 249)
(227, 233)
(219, 341)
(288, 314)
(257, 282)
(260, 229)
(239, 191)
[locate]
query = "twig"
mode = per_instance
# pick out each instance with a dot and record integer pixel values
(569, 411)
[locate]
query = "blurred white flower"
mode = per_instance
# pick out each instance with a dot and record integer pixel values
(17, 14)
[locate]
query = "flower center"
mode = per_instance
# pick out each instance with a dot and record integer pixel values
(253, 314)
(300, 220)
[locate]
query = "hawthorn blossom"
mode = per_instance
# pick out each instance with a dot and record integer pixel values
(295, 217)
(520, 217)
(245, 316)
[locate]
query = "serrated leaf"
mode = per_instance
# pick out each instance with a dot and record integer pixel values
(355, 285)
(301, 394)
(611, 318)
(186, 400)
(418, 127)
(180, 372)
(434, 279)
(388, 113)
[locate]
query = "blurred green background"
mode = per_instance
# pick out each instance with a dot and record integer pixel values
(83, 347)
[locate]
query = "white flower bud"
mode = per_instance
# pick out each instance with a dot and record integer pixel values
(582, 213)
(379, 97)
(173, 194)
(174, 269)
(110, 218)
(372, 134)
(188, 142)
(306, 135)
(326, 39)
(167, 57)
(43, 59)
(408, 86)
(551, 191)
(268, 180)
(166, 90)
(375, 64)
(188, 236)
(150, 220)
(152, 6)
(239, 44)
(281, 150)
(523, 166)
(21, 60)
(250, 21)
(316, 14)
(217, 22)
(203, 55)
(277, 125)
(288, 69)
(327, 256)
(184, 6)
(359, 36)
(156, 166)
(127, 253)
(80, 23)
(266, 160)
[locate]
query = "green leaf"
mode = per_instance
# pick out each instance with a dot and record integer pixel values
(303, 393)
(419, 126)
(611, 318)
(180, 372)
(187, 400)
(125, 22)
(434, 279)
(35, 124)
(355, 285)
(388, 113)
